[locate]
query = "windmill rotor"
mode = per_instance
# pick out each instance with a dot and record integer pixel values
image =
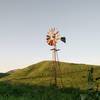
(53, 36)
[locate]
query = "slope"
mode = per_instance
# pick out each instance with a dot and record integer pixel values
(73, 75)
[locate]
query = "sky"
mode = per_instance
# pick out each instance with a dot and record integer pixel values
(25, 23)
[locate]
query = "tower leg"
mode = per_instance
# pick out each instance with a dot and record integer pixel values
(54, 51)
(56, 71)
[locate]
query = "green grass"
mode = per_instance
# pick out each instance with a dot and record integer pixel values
(73, 75)
(33, 82)
(27, 92)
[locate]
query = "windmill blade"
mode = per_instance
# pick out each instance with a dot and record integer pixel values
(48, 37)
(57, 32)
(54, 29)
(63, 39)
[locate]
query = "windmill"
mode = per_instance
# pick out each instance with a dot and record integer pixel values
(52, 37)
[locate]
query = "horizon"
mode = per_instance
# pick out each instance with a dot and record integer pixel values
(25, 23)
(20, 67)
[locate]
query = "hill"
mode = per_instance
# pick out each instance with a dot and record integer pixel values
(73, 75)
(3, 74)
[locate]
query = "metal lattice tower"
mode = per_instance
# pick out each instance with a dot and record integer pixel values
(56, 71)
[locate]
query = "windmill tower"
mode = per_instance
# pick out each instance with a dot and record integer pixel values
(52, 37)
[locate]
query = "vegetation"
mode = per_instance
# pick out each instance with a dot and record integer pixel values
(27, 92)
(73, 75)
(33, 82)
(3, 74)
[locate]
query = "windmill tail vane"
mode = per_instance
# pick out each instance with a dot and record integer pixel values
(63, 39)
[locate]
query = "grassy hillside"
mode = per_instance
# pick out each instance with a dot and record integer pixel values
(73, 75)
(3, 74)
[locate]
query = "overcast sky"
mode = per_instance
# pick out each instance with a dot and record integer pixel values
(24, 24)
